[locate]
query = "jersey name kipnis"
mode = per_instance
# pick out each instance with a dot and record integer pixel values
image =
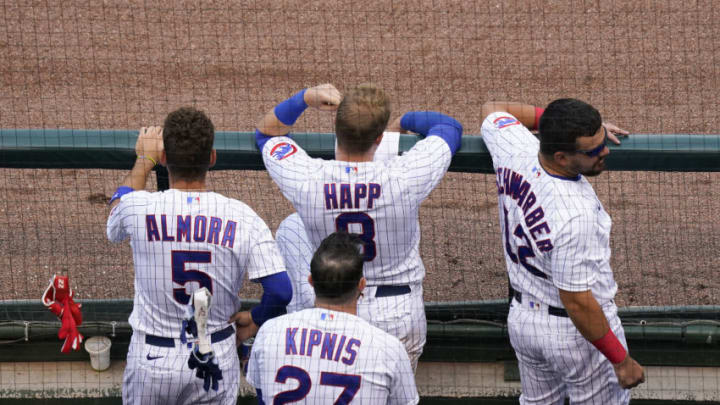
(516, 187)
(191, 229)
(323, 345)
(358, 196)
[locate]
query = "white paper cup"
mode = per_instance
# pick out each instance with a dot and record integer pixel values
(99, 349)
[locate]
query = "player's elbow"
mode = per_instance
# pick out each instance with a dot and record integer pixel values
(490, 107)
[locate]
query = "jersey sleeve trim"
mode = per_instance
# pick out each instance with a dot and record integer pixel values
(261, 139)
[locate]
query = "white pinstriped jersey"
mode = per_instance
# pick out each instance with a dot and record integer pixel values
(182, 241)
(555, 231)
(378, 200)
(323, 356)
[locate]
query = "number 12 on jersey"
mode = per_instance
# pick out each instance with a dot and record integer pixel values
(367, 224)
(523, 252)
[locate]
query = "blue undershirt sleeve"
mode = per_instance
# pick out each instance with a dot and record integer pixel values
(430, 123)
(277, 293)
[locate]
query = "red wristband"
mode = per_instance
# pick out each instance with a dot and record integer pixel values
(610, 346)
(538, 112)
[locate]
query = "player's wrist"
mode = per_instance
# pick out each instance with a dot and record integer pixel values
(148, 159)
(291, 109)
(610, 347)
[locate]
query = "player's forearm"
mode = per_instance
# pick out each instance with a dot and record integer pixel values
(586, 314)
(137, 178)
(525, 113)
(281, 118)
(421, 122)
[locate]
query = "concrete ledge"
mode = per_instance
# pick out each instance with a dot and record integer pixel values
(48, 380)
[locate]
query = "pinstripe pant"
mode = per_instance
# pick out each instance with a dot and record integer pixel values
(160, 375)
(556, 361)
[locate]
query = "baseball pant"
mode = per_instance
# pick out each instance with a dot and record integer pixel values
(157, 375)
(556, 361)
(401, 315)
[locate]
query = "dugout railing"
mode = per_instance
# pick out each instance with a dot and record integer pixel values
(457, 331)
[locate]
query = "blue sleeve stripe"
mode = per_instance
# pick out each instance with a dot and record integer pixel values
(121, 191)
(261, 139)
(450, 134)
(277, 293)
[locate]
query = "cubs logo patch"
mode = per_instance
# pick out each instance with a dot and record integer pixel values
(503, 122)
(282, 150)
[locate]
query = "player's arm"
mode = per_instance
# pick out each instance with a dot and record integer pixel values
(149, 150)
(265, 266)
(527, 114)
(588, 317)
(279, 120)
(430, 123)
(277, 293)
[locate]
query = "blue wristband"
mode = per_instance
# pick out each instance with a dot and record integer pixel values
(291, 109)
(121, 191)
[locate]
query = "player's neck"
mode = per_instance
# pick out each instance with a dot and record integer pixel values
(555, 169)
(350, 307)
(186, 185)
(343, 156)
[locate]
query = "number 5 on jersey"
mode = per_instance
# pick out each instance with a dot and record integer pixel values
(182, 276)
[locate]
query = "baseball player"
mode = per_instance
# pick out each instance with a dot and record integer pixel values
(184, 239)
(563, 322)
(379, 200)
(328, 354)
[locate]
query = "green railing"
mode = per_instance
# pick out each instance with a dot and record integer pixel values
(457, 331)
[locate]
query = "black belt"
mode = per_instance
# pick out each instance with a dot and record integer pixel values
(555, 311)
(218, 336)
(391, 290)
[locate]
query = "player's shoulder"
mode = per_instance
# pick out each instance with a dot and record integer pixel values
(279, 148)
(139, 197)
(238, 209)
(500, 120)
(567, 201)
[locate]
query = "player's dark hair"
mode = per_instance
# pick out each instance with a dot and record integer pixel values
(563, 121)
(337, 267)
(188, 136)
(361, 118)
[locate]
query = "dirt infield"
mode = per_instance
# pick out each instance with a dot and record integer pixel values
(649, 66)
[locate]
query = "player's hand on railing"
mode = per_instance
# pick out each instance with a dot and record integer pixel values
(614, 132)
(629, 373)
(150, 143)
(324, 97)
(244, 325)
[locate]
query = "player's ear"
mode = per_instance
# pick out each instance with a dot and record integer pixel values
(213, 158)
(379, 139)
(310, 280)
(561, 158)
(362, 284)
